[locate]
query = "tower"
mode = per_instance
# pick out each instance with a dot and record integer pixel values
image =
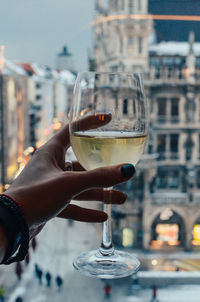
(64, 60)
(121, 36)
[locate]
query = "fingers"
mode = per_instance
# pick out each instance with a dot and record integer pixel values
(102, 177)
(86, 123)
(106, 196)
(80, 214)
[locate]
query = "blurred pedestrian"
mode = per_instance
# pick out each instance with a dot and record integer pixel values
(107, 291)
(154, 294)
(27, 259)
(19, 299)
(18, 270)
(59, 282)
(34, 243)
(36, 269)
(48, 279)
(38, 273)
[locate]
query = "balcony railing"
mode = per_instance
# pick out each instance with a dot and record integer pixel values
(168, 119)
(167, 156)
(169, 197)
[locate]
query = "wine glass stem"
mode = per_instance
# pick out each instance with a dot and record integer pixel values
(106, 247)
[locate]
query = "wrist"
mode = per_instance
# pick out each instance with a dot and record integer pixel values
(15, 229)
(3, 242)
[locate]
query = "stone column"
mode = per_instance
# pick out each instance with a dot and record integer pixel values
(188, 241)
(146, 239)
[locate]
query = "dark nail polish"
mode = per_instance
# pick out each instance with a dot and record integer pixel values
(127, 170)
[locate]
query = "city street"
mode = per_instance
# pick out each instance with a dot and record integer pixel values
(58, 244)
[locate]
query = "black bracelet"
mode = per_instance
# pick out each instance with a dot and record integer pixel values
(16, 229)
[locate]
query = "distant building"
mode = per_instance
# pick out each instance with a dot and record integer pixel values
(122, 45)
(34, 104)
(14, 116)
(163, 199)
(64, 60)
(50, 94)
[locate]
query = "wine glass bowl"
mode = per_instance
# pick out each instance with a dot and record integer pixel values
(122, 140)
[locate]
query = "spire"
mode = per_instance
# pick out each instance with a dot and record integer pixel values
(191, 59)
(100, 7)
(191, 42)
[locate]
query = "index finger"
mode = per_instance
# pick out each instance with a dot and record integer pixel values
(83, 124)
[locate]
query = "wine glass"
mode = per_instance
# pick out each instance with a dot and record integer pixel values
(122, 140)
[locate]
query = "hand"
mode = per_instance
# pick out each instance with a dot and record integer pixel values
(44, 189)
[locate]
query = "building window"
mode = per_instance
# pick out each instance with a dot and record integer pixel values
(174, 145)
(189, 144)
(134, 108)
(199, 146)
(38, 85)
(199, 109)
(130, 6)
(174, 110)
(114, 68)
(116, 5)
(173, 179)
(139, 5)
(157, 72)
(161, 146)
(198, 179)
(38, 97)
(122, 5)
(161, 179)
(139, 45)
(125, 106)
(130, 41)
(167, 179)
(162, 109)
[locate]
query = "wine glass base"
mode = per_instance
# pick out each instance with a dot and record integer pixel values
(117, 265)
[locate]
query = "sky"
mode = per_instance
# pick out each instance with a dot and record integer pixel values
(36, 30)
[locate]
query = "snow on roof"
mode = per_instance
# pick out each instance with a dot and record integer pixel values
(174, 48)
(68, 76)
(12, 68)
(39, 69)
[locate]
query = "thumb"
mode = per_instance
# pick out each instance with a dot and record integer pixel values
(101, 177)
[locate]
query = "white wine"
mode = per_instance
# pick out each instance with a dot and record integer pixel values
(95, 149)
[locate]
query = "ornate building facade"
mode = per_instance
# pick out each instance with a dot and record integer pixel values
(163, 208)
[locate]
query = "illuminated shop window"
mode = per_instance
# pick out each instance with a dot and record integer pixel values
(127, 237)
(166, 234)
(196, 234)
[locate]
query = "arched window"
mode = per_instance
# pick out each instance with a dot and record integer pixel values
(167, 229)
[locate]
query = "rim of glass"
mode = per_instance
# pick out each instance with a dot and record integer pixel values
(110, 72)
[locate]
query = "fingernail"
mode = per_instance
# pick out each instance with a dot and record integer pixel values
(105, 217)
(127, 170)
